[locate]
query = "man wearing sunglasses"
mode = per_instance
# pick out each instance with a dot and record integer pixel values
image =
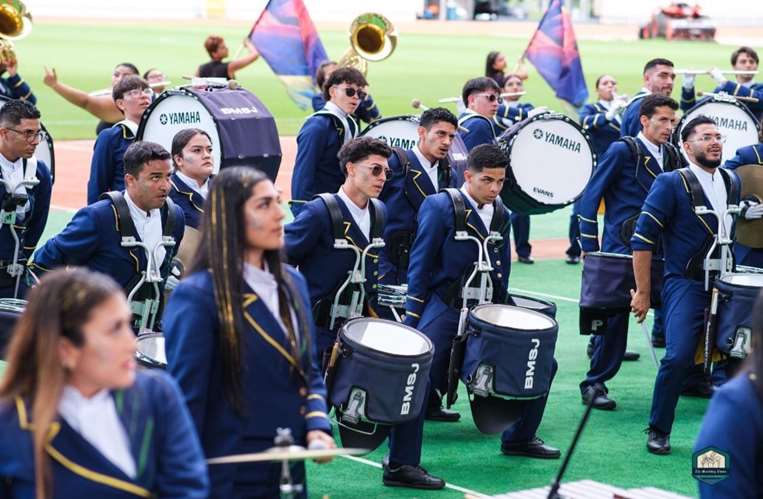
(357, 218)
(440, 265)
(481, 97)
(132, 96)
(20, 133)
(316, 168)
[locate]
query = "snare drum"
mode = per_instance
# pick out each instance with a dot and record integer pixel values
(402, 132)
(379, 378)
(44, 150)
(738, 293)
(392, 295)
(733, 119)
(550, 162)
(242, 130)
(150, 350)
(509, 360)
(10, 311)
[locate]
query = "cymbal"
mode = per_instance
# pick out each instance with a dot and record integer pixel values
(290, 453)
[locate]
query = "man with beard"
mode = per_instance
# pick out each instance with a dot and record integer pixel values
(658, 79)
(623, 179)
(669, 213)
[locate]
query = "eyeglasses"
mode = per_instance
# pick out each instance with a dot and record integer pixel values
(710, 138)
(30, 135)
(376, 170)
(490, 97)
(137, 92)
(350, 92)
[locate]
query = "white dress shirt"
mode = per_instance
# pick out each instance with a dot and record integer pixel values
(264, 284)
(485, 213)
(149, 228)
(13, 174)
(361, 216)
(96, 420)
(131, 125)
(429, 168)
(653, 149)
(343, 117)
(715, 190)
(202, 191)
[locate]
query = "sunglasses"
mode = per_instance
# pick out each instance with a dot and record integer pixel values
(350, 92)
(490, 97)
(376, 170)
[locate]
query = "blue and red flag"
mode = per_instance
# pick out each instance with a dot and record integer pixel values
(286, 38)
(553, 51)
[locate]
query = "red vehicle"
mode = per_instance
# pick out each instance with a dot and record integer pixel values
(678, 21)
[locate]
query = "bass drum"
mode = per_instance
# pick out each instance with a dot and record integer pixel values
(734, 120)
(242, 129)
(550, 162)
(402, 132)
(44, 151)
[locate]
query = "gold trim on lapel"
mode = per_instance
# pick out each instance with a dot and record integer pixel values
(475, 229)
(272, 342)
(189, 194)
(416, 182)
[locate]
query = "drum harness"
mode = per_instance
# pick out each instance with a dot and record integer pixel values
(717, 258)
(11, 201)
(145, 303)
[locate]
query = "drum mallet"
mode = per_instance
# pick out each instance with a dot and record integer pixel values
(737, 97)
(417, 104)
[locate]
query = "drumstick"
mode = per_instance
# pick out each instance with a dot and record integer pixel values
(737, 97)
(707, 72)
(649, 342)
(417, 104)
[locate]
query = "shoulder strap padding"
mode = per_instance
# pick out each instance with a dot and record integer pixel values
(377, 221)
(459, 208)
(335, 214)
(124, 220)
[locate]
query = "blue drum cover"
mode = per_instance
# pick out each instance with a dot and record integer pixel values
(734, 310)
(607, 281)
(393, 394)
(509, 351)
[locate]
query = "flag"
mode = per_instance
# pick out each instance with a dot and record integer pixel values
(554, 53)
(286, 39)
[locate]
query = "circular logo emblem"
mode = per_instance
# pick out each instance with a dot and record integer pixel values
(163, 119)
(537, 133)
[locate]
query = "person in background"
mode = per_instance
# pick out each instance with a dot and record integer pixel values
(495, 65)
(218, 50)
(367, 110)
(154, 76)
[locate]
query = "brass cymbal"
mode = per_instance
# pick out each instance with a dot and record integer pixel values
(290, 453)
(750, 232)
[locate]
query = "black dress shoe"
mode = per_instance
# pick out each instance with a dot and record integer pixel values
(598, 393)
(572, 259)
(440, 414)
(631, 356)
(534, 448)
(525, 259)
(414, 477)
(658, 341)
(657, 442)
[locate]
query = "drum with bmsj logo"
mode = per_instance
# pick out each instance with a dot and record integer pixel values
(44, 150)
(150, 350)
(402, 132)
(550, 162)
(738, 293)
(733, 119)
(377, 376)
(242, 130)
(508, 361)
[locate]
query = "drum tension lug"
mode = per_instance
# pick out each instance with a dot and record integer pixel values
(356, 406)
(741, 346)
(482, 384)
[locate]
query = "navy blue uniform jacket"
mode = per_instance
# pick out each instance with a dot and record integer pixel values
(481, 130)
(631, 126)
(689, 100)
(34, 223)
(163, 443)
(602, 131)
(506, 115)
(748, 155)
(92, 239)
(274, 394)
(14, 87)
(107, 169)
(188, 200)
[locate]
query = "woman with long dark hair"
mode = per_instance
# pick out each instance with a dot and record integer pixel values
(76, 418)
(731, 438)
(495, 65)
(240, 338)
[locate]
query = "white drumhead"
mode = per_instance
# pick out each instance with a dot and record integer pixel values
(152, 347)
(733, 122)
(749, 280)
(175, 112)
(551, 160)
(512, 317)
(395, 132)
(42, 152)
(387, 337)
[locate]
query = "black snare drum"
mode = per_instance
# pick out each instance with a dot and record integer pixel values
(738, 293)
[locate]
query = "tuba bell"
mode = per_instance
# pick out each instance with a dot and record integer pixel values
(372, 38)
(15, 24)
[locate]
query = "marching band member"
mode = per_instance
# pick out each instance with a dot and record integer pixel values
(240, 339)
(310, 245)
(217, 50)
(669, 213)
(495, 64)
(623, 179)
(192, 159)
(742, 59)
(13, 86)
(741, 399)
(438, 265)
(20, 133)
(152, 76)
(416, 174)
(658, 79)
(77, 419)
(316, 168)
(132, 96)
(481, 96)
(367, 110)
(93, 238)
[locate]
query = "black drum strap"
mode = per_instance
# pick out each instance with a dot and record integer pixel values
(377, 219)
(124, 220)
(731, 186)
(402, 157)
(335, 214)
(459, 208)
(673, 158)
(499, 216)
(695, 188)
